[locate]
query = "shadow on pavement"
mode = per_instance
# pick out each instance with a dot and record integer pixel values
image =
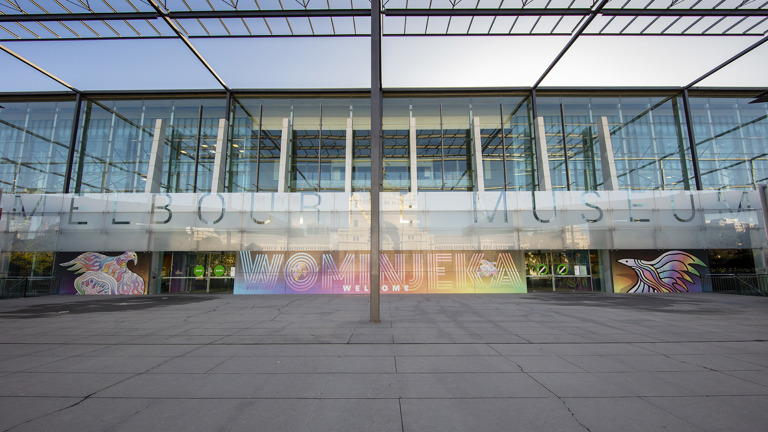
(111, 304)
(677, 303)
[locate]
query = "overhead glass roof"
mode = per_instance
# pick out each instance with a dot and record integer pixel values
(295, 44)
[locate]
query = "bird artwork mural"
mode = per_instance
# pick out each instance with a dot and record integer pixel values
(673, 271)
(104, 275)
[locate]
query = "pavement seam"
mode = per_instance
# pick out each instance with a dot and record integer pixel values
(314, 406)
(673, 414)
(576, 419)
(742, 378)
(77, 403)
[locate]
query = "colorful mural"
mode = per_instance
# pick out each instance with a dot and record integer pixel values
(401, 272)
(92, 273)
(658, 272)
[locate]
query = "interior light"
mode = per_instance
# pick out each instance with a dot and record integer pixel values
(235, 145)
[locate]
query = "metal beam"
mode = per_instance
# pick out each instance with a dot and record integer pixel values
(488, 12)
(38, 68)
(570, 43)
(692, 140)
(289, 13)
(396, 12)
(186, 41)
(686, 12)
(223, 14)
(78, 17)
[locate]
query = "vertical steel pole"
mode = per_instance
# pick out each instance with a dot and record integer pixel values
(764, 204)
(72, 144)
(376, 126)
(565, 149)
(532, 122)
(691, 139)
(197, 149)
(228, 107)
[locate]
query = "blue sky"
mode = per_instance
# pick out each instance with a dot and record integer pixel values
(478, 61)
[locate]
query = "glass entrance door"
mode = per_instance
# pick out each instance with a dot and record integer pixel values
(198, 272)
(558, 271)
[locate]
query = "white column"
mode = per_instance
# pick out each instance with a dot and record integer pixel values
(282, 180)
(478, 146)
(412, 154)
(348, 159)
(155, 169)
(542, 157)
(610, 179)
(220, 159)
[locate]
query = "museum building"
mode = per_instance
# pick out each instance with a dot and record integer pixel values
(482, 190)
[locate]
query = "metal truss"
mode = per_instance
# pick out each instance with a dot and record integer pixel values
(126, 19)
(188, 20)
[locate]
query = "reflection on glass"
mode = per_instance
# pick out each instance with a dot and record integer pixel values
(731, 141)
(116, 139)
(317, 129)
(34, 145)
(361, 145)
(457, 141)
(558, 271)
(647, 134)
(396, 145)
(429, 143)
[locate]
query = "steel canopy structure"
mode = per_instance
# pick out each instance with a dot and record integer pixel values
(189, 21)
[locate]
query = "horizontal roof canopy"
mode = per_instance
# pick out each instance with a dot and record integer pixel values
(260, 44)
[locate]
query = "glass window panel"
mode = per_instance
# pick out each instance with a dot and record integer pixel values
(396, 145)
(305, 160)
(731, 141)
(520, 170)
(457, 139)
(34, 145)
(333, 144)
(488, 111)
(361, 130)
(116, 140)
(429, 153)
(269, 139)
(647, 134)
(649, 143)
(244, 146)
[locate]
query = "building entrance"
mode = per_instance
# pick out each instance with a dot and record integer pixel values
(559, 271)
(198, 272)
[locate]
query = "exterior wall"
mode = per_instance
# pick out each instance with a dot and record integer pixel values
(464, 207)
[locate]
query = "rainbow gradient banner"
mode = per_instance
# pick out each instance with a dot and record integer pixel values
(401, 272)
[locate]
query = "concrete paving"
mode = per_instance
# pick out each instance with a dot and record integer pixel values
(535, 362)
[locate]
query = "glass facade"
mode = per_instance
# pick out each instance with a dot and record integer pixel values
(648, 134)
(461, 186)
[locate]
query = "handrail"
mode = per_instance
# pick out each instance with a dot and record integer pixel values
(741, 279)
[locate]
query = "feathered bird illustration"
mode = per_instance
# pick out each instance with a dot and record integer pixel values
(106, 275)
(671, 272)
